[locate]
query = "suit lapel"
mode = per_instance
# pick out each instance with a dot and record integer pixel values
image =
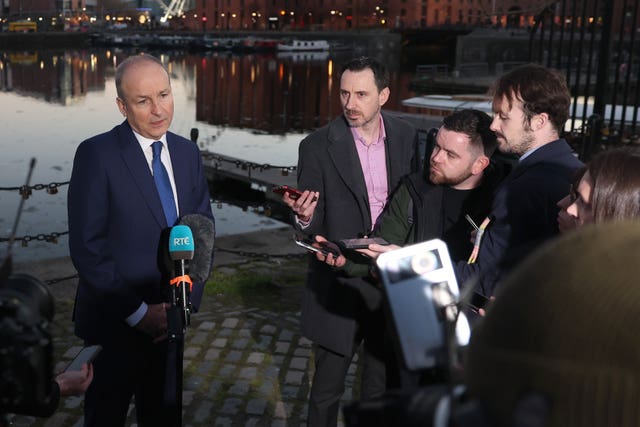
(141, 176)
(393, 160)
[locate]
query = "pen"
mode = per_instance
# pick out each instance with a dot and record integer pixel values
(471, 221)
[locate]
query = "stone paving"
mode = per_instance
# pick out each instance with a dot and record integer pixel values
(243, 366)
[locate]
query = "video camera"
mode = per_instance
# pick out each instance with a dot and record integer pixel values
(430, 329)
(26, 350)
(26, 355)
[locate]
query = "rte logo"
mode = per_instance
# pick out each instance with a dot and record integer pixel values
(179, 241)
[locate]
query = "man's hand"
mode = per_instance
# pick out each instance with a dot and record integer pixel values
(304, 205)
(374, 250)
(73, 383)
(483, 311)
(329, 259)
(154, 322)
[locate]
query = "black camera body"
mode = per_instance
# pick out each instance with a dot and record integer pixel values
(26, 349)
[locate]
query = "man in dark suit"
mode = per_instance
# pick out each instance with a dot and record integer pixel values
(117, 215)
(347, 170)
(531, 105)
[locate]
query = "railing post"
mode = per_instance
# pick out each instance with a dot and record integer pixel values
(602, 80)
(194, 134)
(593, 137)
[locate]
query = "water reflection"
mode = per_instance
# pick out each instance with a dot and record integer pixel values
(254, 107)
(275, 93)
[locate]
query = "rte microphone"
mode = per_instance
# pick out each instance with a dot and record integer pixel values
(181, 249)
(204, 232)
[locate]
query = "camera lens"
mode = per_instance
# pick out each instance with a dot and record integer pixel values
(424, 262)
(32, 293)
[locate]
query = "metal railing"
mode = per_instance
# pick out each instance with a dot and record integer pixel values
(595, 43)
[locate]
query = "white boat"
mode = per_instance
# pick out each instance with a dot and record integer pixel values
(304, 56)
(304, 45)
(446, 104)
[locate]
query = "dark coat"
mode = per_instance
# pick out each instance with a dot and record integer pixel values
(328, 163)
(524, 213)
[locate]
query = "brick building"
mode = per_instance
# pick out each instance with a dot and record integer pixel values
(320, 14)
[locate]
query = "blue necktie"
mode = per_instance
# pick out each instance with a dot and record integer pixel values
(161, 178)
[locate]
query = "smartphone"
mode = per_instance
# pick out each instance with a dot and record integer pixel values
(324, 248)
(294, 193)
(478, 301)
(86, 355)
(362, 243)
(422, 295)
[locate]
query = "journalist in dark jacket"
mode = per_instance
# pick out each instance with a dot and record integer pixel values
(347, 169)
(329, 164)
(531, 105)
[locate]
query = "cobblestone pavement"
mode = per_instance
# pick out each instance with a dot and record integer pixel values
(243, 366)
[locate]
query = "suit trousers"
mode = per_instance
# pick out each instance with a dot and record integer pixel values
(132, 368)
(331, 370)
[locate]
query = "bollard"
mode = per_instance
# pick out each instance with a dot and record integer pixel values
(595, 132)
(194, 134)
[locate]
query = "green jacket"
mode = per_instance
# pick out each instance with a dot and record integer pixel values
(414, 213)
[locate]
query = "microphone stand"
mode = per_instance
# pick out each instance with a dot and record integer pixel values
(178, 317)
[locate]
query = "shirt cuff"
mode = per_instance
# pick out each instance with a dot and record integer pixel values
(137, 315)
(303, 224)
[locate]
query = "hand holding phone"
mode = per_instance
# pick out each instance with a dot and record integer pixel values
(86, 355)
(324, 247)
(478, 301)
(294, 193)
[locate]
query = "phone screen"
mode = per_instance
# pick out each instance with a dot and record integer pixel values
(324, 248)
(362, 243)
(478, 301)
(294, 193)
(306, 245)
(86, 355)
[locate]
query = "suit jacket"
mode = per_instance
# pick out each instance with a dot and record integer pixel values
(117, 229)
(328, 162)
(524, 213)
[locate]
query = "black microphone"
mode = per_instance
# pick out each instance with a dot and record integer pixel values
(181, 249)
(204, 232)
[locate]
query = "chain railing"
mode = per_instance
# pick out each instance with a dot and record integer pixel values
(265, 209)
(246, 165)
(27, 190)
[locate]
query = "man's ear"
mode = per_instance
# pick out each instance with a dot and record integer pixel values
(121, 106)
(383, 96)
(480, 164)
(539, 121)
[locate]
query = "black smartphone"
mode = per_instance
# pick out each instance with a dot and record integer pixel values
(362, 243)
(478, 301)
(86, 355)
(324, 248)
(294, 193)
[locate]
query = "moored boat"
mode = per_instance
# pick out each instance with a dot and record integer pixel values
(304, 45)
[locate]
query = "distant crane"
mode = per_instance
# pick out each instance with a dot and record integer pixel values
(175, 8)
